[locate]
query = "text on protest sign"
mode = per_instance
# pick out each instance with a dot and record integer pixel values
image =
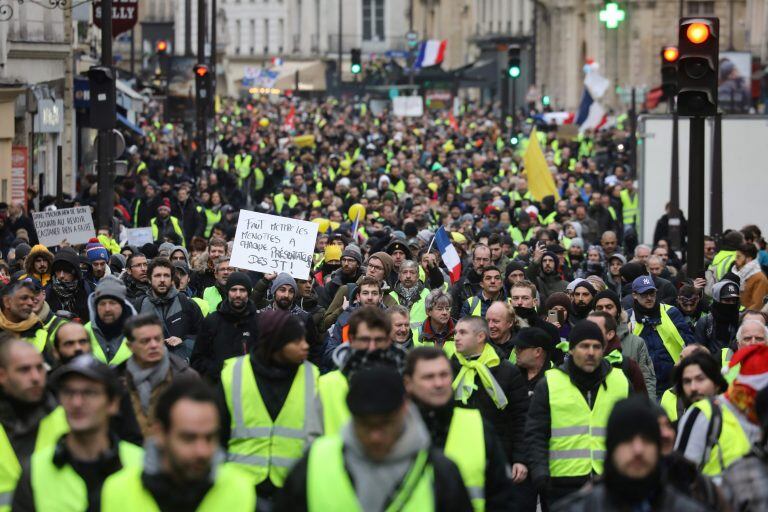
(268, 243)
(140, 236)
(75, 225)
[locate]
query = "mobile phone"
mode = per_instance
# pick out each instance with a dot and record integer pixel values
(553, 317)
(702, 274)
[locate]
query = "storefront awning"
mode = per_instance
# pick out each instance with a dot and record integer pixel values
(128, 124)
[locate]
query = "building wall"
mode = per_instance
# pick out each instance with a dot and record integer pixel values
(453, 21)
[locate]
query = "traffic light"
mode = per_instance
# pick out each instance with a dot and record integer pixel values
(545, 100)
(513, 62)
(697, 67)
(101, 81)
(202, 82)
(356, 65)
(669, 57)
(161, 47)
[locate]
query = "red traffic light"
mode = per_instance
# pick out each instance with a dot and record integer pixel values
(201, 70)
(697, 33)
(670, 53)
(162, 46)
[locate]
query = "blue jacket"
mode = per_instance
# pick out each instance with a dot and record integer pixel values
(662, 360)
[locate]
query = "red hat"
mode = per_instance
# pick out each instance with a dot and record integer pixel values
(752, 361)
(166, 203)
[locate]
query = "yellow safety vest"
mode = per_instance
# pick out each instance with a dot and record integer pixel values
(39, 340)
(577, 441)
(330, 488)
(668, 333)
(721, 263)
(212, 296)
(280, 202)
(51, 428)
(61, 489)
(174, 223)
(630, 207)
(669, 404)
(122, 355)
(332, 389)
(262, 447)
(732, 444)
(231, 492)
(211, 218)
(465, 446)
(518, 236)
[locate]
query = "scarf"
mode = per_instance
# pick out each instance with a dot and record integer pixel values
(464, 383)
(409, 295)
(147, 379)
(747, 271)
(18, 327)
(65, 291)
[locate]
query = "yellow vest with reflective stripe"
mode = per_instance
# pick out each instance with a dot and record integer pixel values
(203, 305)
(39, 340)
(280, 201)
(465, 446)
(212, 296)
(330, 488)
(732, 444)
(231, 492)
(577, 440)
(722, 262)
(332, 389)
(630, 206)
(418, 309)
(174, 224)
(61, 489)
(51, 428)
(262, 447)
(122, 355)
(211, 218)
(667, 331)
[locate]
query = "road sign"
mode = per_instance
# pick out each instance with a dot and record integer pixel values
(125, 14)
(118, 143)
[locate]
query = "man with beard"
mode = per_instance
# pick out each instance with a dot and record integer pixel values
(490, 292)
(663, 328)
(110, 309)
(135, 278)
(70, 340)
(206, 278)
(400, 252)
(38, 264)
(17, 314)
(690, 304)
(180, 316)
(68, 291)
(633, 478)
(183, 455)
(469, 283)
(215, 293)
(544, 272)
(370, 344)
(577, 396)
(698, 376)
(583, 298)
(98, 257)
(350, 271)
(230, 331)
(461, 433)
(717, 329)
(410, 292)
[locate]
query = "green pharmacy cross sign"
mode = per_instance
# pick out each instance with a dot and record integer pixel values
(611, 15)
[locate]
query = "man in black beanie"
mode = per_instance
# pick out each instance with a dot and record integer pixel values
(268, 398)
(568, 412)
(230, 331)
(633, 479)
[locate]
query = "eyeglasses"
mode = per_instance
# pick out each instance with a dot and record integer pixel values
(375, 267)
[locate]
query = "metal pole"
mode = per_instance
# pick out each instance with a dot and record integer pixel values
(59, 178)
(633, 134)
(106, 163)
(534, 45)
(716, 189)
(187, 28)
(504, 98)
(214, 56)
(514, 104)
(339, 46)
(133, 52)
(32, 148)
(696, 198)
(674, 185)
(202, 136)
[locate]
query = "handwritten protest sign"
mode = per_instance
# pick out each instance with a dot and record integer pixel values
(268, 243)
(140, 236)
(75, 225)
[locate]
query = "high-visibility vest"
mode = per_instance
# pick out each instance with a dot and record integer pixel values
(243, 166)
(39, 340)
(549, 219)
(732, 444)
(60, 489)
(332, 389)
(262, 447)
(722, 263)
(668, 333)
(123, 353)
(174, 223)
(211, 218)
(476, 306)
(465, 446)
(51, 428)
(577, 441)
(203, 305)
(669, 402)
(612, 212)
(330, 488)
(418, 309)
(280, 202)
(231, 492)
(212, 296)
(52, 327)
(630, 206)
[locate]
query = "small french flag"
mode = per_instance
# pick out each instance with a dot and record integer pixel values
(448, 254)
(431, 53)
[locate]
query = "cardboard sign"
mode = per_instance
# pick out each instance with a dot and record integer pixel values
(408, 106)
(268, 243)
(140, 236)
(75, 225)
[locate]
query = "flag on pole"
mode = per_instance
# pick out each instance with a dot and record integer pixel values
(540, 180)
(452, 120)
(448, 254)
(591, 113)
(431, 53)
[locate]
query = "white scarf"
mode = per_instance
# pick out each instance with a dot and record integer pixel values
(747, 271)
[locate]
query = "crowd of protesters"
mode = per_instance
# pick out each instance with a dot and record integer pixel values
(567, 367)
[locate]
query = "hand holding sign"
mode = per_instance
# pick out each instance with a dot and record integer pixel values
(272, 244)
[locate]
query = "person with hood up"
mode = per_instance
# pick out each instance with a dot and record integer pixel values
(583, 299)
(109, 310)
(68, 291)
(717, 329)
(98, 258)
(230, 331)
(544, 272)
(38, 264)
(633, 478)
(350, 271)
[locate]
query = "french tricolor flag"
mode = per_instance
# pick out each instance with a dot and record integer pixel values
(431, 53)
(448, 254)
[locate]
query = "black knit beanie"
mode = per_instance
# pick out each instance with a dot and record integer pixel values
(609, 294)
(631, 417)
(584, 330)
(277, 328)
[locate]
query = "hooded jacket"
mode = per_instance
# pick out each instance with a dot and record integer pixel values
(29, 264)
(109, 345)
(180, 317)
(546, 284)
(58, 302)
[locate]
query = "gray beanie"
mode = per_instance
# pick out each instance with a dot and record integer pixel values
(281, 279)
(353, 251)
(166, 247)
(109, 287)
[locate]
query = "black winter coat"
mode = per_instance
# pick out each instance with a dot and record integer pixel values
(597, 499)
(180, 316)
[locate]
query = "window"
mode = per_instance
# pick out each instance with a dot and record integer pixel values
(373, 20)
(238, 36)
(266, 35)
(701, 8)
(252, 36)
